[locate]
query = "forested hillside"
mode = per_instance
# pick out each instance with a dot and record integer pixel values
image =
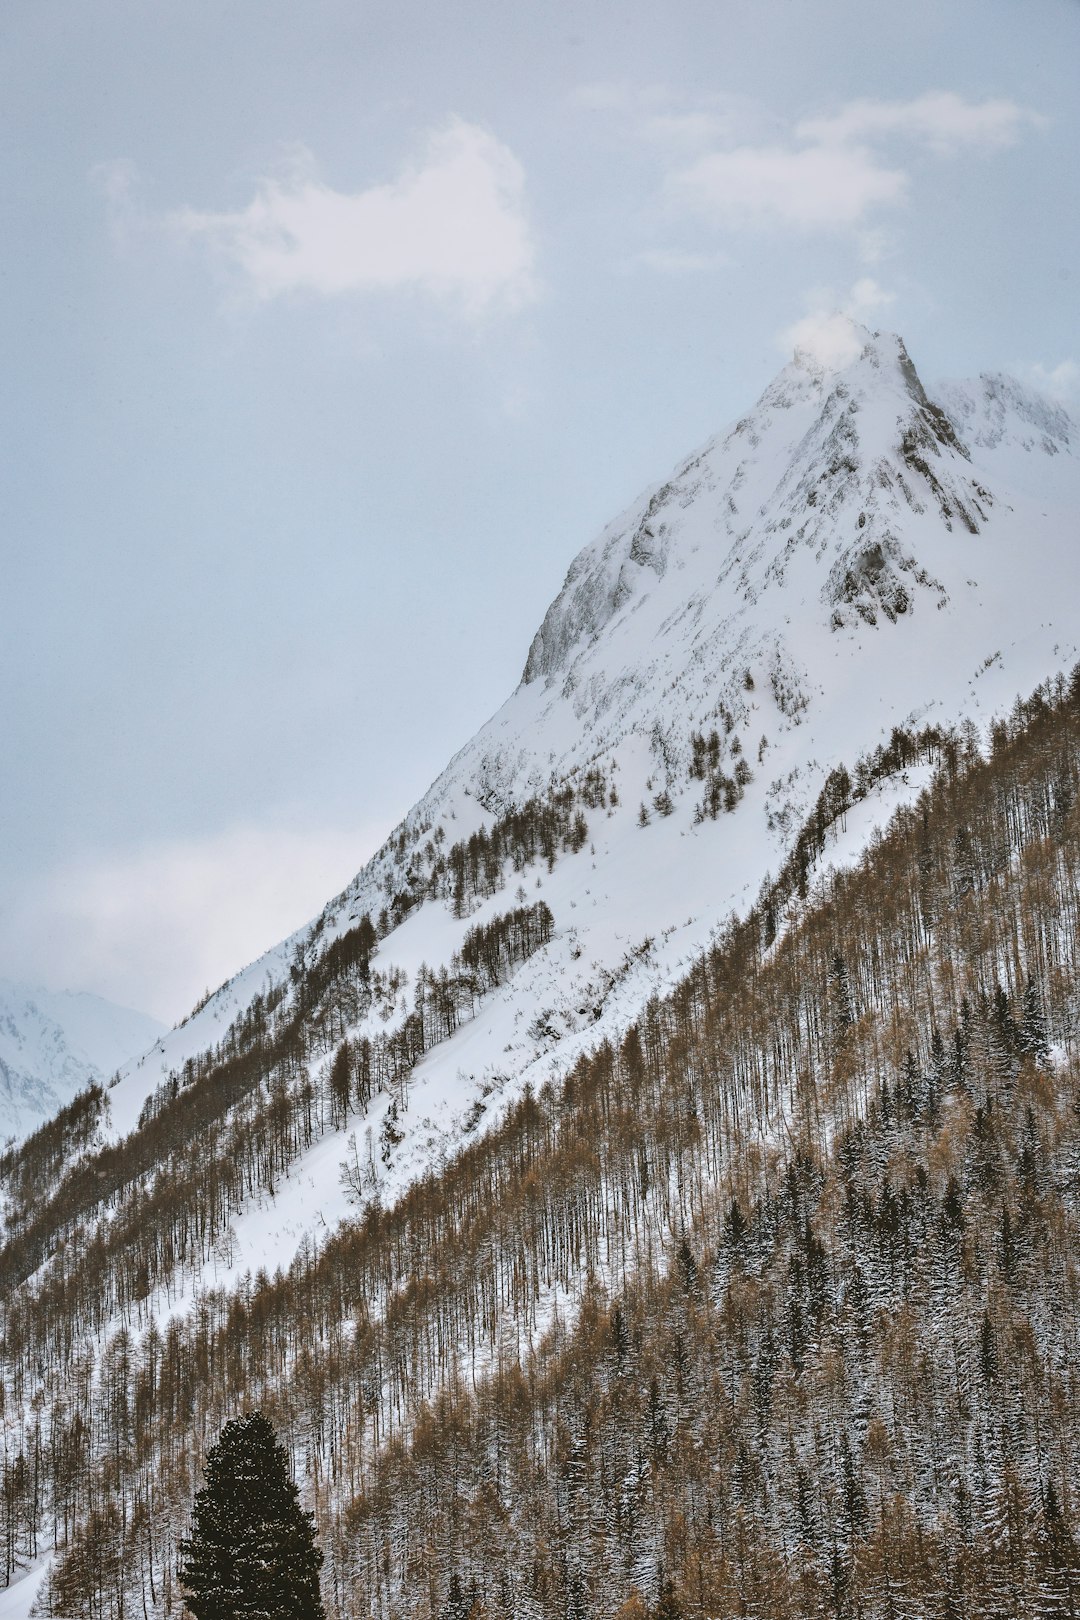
(769, 1308)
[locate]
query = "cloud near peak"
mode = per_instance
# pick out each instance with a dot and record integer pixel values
(452, 225)
(831, 333)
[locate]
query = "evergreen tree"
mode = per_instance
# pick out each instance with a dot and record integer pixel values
(459, 1604)
(341, 1077)
(843, 1001)
(667, 1607)
(1033, 1040)
(251, 1554)
(736, 1228)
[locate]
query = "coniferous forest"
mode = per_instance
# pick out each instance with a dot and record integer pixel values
(771, 1308)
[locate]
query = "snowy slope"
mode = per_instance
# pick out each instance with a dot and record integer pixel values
(52, 1044)
(847, 557)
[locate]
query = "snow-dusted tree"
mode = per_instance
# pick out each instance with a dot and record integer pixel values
(251, 1552)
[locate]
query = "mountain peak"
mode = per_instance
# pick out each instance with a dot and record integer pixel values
(843, 448)
(844, 350)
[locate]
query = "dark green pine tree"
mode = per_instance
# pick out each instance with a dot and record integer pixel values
(251, 1554)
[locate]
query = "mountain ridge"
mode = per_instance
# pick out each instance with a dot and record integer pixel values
(765, 614)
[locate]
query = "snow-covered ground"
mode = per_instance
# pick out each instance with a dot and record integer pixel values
(16, 1600)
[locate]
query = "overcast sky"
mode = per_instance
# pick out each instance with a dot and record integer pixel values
(332, 331)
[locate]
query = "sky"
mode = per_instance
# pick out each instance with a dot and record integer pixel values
(330, 333)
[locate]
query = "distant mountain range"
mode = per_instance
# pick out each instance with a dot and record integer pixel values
(53, 1044)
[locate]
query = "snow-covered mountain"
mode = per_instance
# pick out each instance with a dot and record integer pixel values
(853, 554)
(53, 1044)
(857, 573)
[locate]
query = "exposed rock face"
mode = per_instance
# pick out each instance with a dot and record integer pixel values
(827, 462)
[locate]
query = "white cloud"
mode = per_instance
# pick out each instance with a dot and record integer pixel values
(833, 171)
(1061, 382)
(733, 164)
(866, 296)
(832, 332)
(452, 225)
(813, 186)
(155, 927)
(939, 119)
